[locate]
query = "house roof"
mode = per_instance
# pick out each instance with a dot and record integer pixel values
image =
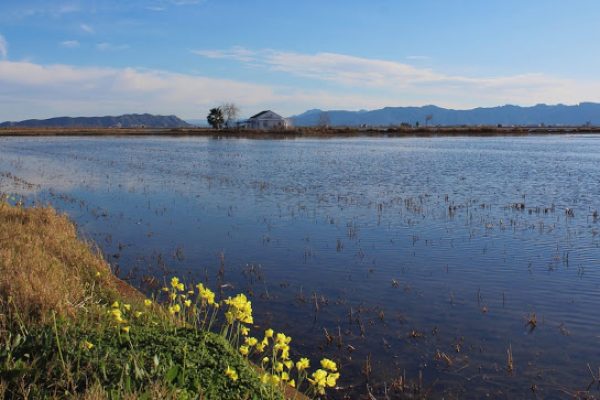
(264, 112)
(259, 114)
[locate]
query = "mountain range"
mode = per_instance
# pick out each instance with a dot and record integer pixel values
(122, 121)
(576, 115)
(508, 115)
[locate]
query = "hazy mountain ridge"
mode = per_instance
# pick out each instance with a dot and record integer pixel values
(507, 115)
(122, 121)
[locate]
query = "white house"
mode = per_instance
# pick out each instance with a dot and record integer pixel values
(267, 120)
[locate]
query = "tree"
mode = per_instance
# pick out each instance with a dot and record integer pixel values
(428, 118)
(230, 112)
(215, 117)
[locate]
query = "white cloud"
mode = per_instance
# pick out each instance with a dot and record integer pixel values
(70, 44)
(87, 28)
(3, 47)
(32, 90)
(415, 85)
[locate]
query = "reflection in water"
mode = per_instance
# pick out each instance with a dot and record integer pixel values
(464, 266)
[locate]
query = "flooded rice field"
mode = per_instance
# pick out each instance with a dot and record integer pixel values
(428, 267)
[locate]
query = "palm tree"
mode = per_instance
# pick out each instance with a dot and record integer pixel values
(215, 118)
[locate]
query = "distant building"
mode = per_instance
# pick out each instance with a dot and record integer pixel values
(267, 120)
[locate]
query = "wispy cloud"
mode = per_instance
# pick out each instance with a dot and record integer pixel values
(66, 9)
(70, 44)
(163, 5)
(185, 2)
(3, 47)
(416, 84)
(87, 28)
(49, 9)
(105, 46)
(418, 58)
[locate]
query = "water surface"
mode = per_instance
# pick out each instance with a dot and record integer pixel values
(428, 256)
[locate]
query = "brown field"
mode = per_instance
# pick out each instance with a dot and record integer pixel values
(302, 132)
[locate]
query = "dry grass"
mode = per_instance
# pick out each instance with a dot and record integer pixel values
(157, 391)
(306, 132)
(47, 275)
(44, 268)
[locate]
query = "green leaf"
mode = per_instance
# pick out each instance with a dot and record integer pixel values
(172, 374)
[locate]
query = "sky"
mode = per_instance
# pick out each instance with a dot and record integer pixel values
(182, 57)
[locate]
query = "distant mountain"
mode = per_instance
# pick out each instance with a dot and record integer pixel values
(123, 121)
(580, 114)
(197, 122)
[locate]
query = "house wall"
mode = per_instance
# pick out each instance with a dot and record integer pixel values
(268, 121)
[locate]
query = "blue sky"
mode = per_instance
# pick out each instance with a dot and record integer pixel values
(86, 57)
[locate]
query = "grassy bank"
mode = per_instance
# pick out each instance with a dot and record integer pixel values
(314, 132)
(71, 329)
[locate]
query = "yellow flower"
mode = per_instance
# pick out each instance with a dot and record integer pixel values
(244, 331)
(328, 364)
(174, 282)
(231, 374)
(173, 296)
(275, 379)
(147, 302)
(137, 314)
(240, 308)
(303, 364)
(281, 339)
(187, 303)
(319, 380)
(97, 274)
(285, 376)
(125, 329)
(251, 341)
(87, 345)
(115, 312)
(115, 304)
(127, 307)
(292, 383)
(180, 287)
(165, 289)
(265, 378)
(190, 292)
(174, 309)
(289, 364)
(265, 360)
(117, 315)
(269, 333)
(206, 294)
(332, 379)
(278, 366)
(244, 350)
